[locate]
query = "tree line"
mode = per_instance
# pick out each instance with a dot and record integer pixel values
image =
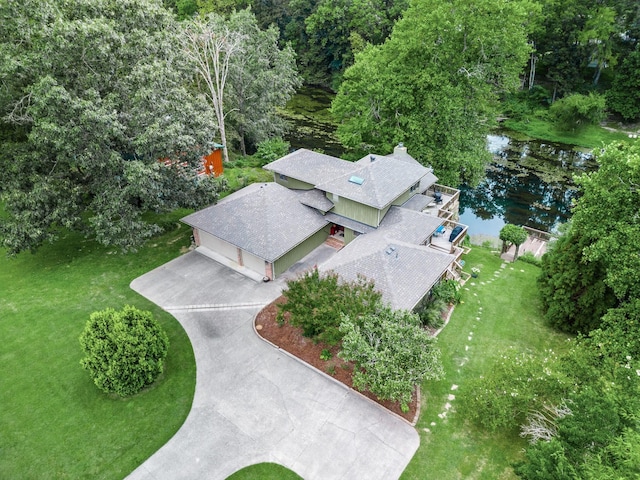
(94, 93)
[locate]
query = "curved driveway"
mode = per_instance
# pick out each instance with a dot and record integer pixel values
(253, 403)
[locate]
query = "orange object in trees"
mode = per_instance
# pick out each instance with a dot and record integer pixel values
(213, 162)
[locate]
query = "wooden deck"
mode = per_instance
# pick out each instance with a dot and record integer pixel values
(535, 243)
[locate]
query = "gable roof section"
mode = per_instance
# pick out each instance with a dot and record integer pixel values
(404, 273)
(265, 219)
(311, 167)
(315, 198)
(384, 180)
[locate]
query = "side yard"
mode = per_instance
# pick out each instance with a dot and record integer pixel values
(55, 423)
(500, 309)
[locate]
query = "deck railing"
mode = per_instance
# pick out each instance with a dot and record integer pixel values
(450, 197)
(546, 236)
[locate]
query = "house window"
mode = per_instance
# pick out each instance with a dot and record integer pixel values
(283, 177)
(415, 186)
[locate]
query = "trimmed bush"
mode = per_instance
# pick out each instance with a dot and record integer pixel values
(125, 350)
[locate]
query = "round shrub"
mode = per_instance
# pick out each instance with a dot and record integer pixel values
(125, 350)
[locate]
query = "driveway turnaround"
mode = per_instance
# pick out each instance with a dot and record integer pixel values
(253, 403)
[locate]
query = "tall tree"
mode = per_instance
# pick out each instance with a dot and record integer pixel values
(433, 85)
(246, 75)
(92, 97)
(261, 80)
(210, 45)
(608, 214)
(572, 289)
(594, 265)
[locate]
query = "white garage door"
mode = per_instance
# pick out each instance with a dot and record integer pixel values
(219, 246)
(252, 262)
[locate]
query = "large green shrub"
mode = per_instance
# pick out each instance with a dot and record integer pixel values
(576, 111)
(392, 352)
(432, 308)
(572, 289)
(124, 350)
(316, 302)
(624, 95)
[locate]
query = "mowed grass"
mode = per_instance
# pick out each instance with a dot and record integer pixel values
(54, 422)
(501, 309)
(265, 471)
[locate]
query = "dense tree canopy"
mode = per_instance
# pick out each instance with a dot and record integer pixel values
(92, 98)
(433, 84)
(608, 214)
(595, 265)
(572, 289)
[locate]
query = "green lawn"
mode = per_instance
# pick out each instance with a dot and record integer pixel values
(500, 309)
(265, 471)
(55, 423)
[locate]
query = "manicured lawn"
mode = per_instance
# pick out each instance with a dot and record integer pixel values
(55, 423)
(265, 471)
(500, 309)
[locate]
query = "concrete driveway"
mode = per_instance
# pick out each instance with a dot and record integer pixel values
(253, 403)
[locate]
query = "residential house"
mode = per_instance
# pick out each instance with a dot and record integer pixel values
(387, 211)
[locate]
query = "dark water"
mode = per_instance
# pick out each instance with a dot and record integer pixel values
(528, 183)
(311, 125)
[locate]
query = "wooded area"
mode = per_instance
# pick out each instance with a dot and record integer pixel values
(107, 107)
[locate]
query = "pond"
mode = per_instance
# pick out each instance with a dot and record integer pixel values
(529, 182)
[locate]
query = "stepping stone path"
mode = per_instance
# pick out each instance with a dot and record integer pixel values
(451, 397)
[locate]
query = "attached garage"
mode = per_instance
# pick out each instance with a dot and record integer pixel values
(218, 245)
(251, 228)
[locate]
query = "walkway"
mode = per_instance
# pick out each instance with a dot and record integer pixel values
(254, 403)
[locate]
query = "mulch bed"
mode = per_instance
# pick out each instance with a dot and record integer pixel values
(290, 339)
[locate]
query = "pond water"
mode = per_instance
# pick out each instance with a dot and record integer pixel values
(529, 182)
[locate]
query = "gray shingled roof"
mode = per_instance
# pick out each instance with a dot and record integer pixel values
(265, 219)
(400, 153)
(384, 180)
(404, 273)
(311, 167)
(408, 225)
(418, 202)
(315, 198)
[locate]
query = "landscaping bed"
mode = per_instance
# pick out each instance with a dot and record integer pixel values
(290, 339)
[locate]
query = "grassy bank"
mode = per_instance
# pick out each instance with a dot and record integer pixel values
(55, 423)
(591, 136)
(500, 309)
